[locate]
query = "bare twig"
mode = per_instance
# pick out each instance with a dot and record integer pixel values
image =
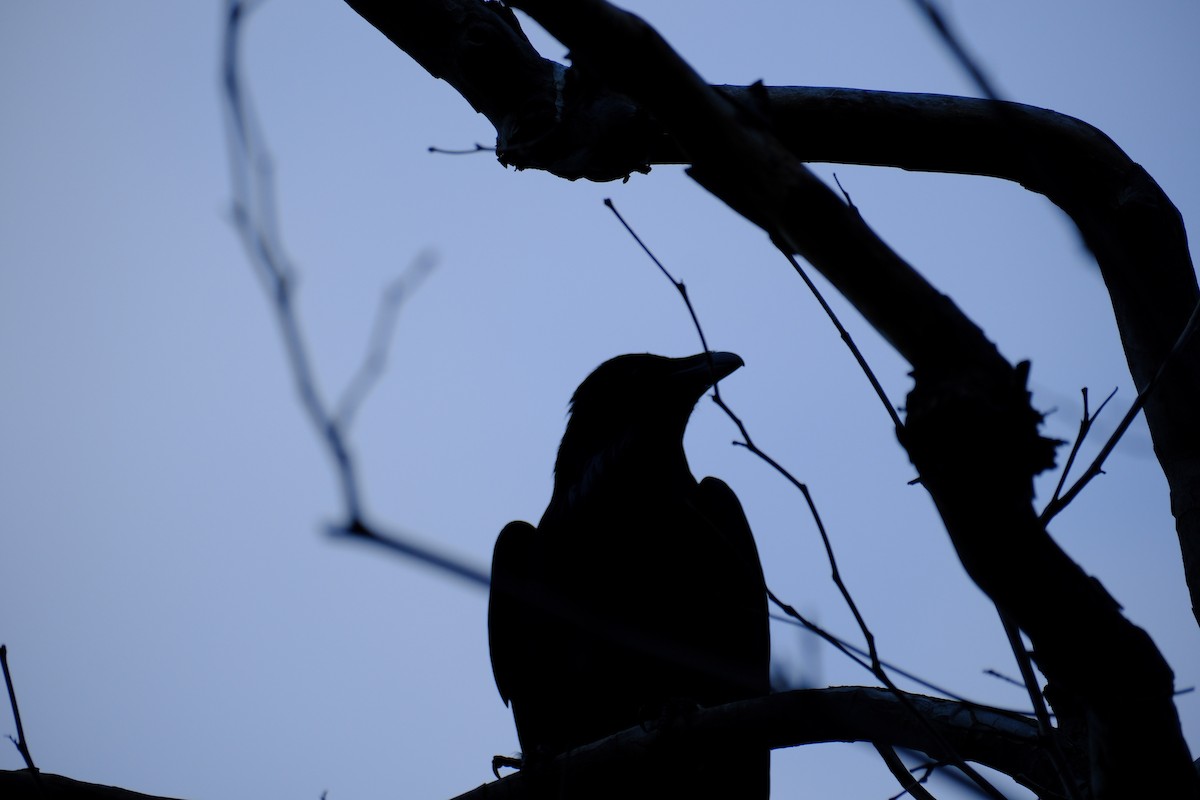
(858, 356)
(1000, 676)
(679, 285)
(1096, 467)
(257, 221)
(22, 745)
(1085, 427)
(1028, 679)
(939, 23)
(1046, 730)
(408, 547)
(837, 323)
(478, 148)
(1011, 630)
(381, 337)
(793, 617)
(254, 214)
(875, 666)
(949, 773)
(906, 779)
(749, 444)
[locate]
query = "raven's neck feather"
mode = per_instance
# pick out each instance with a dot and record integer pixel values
(629, 463)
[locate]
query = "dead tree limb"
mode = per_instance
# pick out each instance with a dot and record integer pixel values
(1004, 741)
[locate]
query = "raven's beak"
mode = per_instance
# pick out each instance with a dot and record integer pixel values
(701, 371)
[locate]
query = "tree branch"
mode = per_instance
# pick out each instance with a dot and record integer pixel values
(549, 117)
(545, 116)
(1006, 742)
(999, 739)
(24, 784)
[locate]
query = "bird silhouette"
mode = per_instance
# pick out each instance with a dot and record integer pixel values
(640, 591)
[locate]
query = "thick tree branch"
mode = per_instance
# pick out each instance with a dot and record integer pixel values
(1004, 741)
(25, 784)
(547, 117)
(999, 739)
(970, 430)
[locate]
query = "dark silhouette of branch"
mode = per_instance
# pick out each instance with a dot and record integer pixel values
(970, 430)
(584, 127)
(875, 665)
(256, 218)
(1004, 742)
(954, 43)
(254, 215)
(846, 338)
(1000, 740)
(1048, 736)
(478, 148)
(381, 338)
(856, 654)
(1085, 427)
(749, 444)
(408, 546)
(906, 779)
(1096, 467)
(1012, 632)
(27, 785)
(21, 744)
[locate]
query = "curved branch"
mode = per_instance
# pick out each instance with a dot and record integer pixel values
(1004, 741)
(999, 739)
(547, 117)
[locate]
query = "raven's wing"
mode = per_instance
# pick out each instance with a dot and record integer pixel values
(745, 770)
(746, 589)
(511, 619)
(718, 502)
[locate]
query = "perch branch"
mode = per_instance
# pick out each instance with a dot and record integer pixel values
(999, 740)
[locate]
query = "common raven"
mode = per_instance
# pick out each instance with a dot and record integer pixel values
(640, 592)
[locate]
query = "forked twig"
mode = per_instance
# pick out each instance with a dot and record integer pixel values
(909, 782)
(257, 221)
(386, 315)
(1096, 467)
(837, 323)
(20, 742)
(1085, 427)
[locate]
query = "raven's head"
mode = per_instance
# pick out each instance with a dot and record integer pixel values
(636, 405)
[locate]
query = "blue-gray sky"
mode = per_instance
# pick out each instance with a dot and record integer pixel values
(177, 622)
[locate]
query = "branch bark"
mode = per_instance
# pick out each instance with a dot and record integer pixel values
(999, 739)
(24, 784)
(1004, 741)
(545, 116)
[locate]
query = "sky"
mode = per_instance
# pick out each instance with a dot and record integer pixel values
(177, 620)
